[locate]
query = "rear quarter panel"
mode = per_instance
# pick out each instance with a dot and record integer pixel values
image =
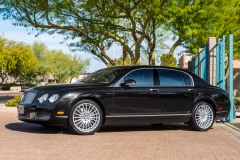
(213, 95)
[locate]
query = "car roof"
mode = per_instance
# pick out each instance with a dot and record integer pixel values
(197, 80)
(150, 66)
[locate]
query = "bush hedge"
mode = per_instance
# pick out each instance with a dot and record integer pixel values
(13, 102)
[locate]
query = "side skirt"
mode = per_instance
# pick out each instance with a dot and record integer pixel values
(147, 119)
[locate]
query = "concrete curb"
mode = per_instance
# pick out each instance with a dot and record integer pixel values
(229, 130)
(232, 126)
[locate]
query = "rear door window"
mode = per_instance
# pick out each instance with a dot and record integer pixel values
(188, 79)
(170, 77)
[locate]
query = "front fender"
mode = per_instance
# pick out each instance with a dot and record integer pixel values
(77, 98)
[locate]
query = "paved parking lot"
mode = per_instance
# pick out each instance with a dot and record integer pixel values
(21, 140)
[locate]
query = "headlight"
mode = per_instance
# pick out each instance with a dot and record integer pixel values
(43, 98)
(53, 98)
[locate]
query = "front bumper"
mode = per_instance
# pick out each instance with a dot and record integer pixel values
(46, 113)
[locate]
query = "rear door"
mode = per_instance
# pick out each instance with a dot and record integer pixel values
(176, 93)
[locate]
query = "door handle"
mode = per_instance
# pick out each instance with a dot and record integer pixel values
(190, 90)
(153, 90)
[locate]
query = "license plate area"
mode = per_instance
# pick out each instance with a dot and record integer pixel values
(32, 115)
(20, 109)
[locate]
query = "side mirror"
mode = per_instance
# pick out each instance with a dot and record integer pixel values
(128, 82)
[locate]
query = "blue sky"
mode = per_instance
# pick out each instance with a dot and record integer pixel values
(53, 42)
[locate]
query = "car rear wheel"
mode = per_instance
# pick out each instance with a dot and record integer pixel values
(85, 117)
(202, 117)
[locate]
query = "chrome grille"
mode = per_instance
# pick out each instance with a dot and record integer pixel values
(28, 97)
(38, 116)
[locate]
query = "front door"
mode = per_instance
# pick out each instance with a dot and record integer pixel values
(137, 103)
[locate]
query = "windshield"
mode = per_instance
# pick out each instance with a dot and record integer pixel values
(104, 76)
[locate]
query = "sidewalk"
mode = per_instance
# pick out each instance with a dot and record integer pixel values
(10, 92)
(236, 123)
(7, 109)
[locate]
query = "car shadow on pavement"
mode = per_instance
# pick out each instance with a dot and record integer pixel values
(37, 128)
(144, 127)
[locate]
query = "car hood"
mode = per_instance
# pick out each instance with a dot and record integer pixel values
(67, 86)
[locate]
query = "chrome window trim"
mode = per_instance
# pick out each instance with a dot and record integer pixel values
(115, 85)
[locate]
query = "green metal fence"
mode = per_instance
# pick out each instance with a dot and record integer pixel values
(200, 66)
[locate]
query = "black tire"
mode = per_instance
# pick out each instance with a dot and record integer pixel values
(202, 121)
(81, 113)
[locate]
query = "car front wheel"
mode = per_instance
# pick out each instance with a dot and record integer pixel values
(85, 117)
(202, 117)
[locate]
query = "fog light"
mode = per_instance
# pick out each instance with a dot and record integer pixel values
(220, 108)
(60, 112)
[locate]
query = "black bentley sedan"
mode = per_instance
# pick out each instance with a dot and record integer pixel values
(126, 95)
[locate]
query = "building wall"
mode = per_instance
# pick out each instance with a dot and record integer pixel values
(183, 60)
(236, 80)
(236, 64)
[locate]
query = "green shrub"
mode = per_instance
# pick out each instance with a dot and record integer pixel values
(237, 100)
(238, 94)
(13, 102)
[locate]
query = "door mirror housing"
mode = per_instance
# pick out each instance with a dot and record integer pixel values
(130, 82)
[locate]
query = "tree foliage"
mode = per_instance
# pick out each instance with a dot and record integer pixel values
(41, 53)
(137, 25)
(171, 61)
(60, 65)
(95, 24)
(64, 66)
(17, 60)
(193, 22)
(24, 62)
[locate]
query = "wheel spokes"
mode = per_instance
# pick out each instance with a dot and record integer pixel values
(86, 117)
(204, 116)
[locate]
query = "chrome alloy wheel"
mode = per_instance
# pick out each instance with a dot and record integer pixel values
(204, 116)
(86, 117)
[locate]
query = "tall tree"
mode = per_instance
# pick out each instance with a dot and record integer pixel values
(61, 65)
(17, 60)
(137, 25)
(41, 53)
(97, 23)
(193, 22)
(171, 62)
